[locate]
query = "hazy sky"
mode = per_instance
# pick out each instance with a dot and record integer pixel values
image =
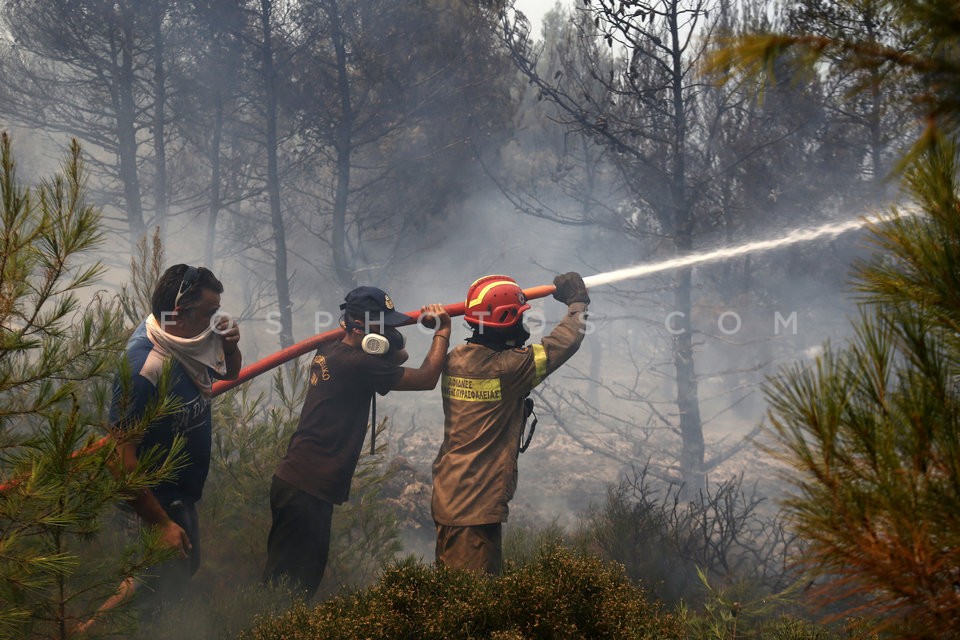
(534, 10)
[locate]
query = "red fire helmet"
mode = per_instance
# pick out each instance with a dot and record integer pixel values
(495, 301)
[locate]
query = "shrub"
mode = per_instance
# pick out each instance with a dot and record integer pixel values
(566, 595)
(560, 594)
(664, 541)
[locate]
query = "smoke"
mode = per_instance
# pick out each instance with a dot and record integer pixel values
(758, 301)
(611, 407)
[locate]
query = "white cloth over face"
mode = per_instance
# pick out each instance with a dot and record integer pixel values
(198, 355)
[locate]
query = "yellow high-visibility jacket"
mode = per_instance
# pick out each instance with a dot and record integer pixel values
(475, 472)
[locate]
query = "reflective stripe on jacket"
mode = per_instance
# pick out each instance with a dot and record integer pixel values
(475, 472)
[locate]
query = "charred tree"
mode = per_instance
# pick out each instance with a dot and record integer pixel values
(84, 69)
(342, 144)
(390, 98)
(159, 116)
(277, 223)
(628, 79)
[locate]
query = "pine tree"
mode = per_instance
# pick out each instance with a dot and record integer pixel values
(919, 51)
(871, 430)
(58, 356)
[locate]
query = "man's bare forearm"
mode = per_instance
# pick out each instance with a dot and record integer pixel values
(234, 363)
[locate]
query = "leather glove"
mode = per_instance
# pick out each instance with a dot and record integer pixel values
(570, 288)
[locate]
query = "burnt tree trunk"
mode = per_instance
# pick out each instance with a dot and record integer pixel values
(213, 207)
(343, 144)
(688, 397)
(122, 90)
(159, 143)
(273, 178)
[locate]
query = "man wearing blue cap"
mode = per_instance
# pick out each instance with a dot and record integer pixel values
(316, 472)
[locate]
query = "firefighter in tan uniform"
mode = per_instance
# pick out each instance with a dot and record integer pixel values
(484, 385)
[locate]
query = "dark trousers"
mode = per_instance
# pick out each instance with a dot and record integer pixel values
(477, 548)
(168, 582)
(299, 539)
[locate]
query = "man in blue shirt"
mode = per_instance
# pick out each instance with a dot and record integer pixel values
(186, 335)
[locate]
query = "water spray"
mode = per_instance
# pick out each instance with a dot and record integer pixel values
(831, 230)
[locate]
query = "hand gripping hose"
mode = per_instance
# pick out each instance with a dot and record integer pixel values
(310, 344)
(285, 355)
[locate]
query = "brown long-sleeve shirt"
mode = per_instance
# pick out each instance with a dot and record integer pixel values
(475, 472)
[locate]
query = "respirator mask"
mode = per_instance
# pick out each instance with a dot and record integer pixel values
(377, 344)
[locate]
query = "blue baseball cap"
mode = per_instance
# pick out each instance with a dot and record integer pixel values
(373, 305)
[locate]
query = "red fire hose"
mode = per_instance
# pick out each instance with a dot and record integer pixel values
(285, 355)
(311, 344)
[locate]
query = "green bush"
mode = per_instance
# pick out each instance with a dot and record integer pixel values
(740, 612)
(567, 595)
(521, 545)
(560, 594)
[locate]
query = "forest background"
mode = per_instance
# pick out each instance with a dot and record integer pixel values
(299, 149)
